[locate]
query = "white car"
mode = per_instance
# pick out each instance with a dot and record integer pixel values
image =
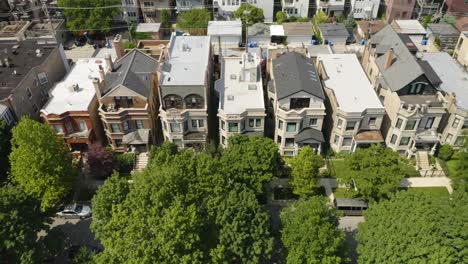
(75, 211)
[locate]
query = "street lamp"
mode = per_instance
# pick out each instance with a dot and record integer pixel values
(246, 14)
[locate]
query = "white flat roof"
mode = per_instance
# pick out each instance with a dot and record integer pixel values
(188, 60)
(276, 30)
(411, 26)
(148, 27)
(454, 78)
(241, 86)
(225, 28)
(64, 98)
(349, 83)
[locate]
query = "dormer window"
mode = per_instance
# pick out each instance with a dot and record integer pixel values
(299, 103)
(194, 101)
(417, 88)
(173, 101)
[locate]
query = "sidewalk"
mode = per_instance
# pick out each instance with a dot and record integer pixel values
(427, 182)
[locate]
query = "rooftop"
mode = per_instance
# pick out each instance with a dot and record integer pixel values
(241, 86)
(276, 30)
(11, 29)
(374, 25)
(315, 50)
(76, 91)
(298, 29)
(134, 71)
(410, 26)
(148, 27)
(353, 91)
(453, 76)
(293, 73)
(259, 29)
(187, 62)
(225, 28)
(443, 29)
(22, 57)
(333, 29)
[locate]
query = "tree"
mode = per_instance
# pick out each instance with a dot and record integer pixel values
(253, 161)
(22, 219)
(448, 19)
(445, 152)
(243, 236)
(376, 172)
(5, 148)
(310, 233)
(83, 15)
(99, 161)
(426, 20)
(415, 228)
(165, 18)
(460, 179)
(255, 16)
(194, 19)
(305, 172)
(281, 17)
(321, 17)
(350, 23)
(40, 163)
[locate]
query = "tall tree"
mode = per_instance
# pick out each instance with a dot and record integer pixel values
(415, 228)
(22, 219)
(375, 172)
(194, 19)
(310, 233)
(40, 163)
(89, 15)
(305, 172)
(5, 148)
(253, 161)
(99, 161)
(255, 16)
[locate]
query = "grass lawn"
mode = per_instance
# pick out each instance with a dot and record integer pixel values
(343, 193)
(410, 170)
(433, 191)
(338, 168)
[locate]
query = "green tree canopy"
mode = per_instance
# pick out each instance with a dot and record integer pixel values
(5, 148)
(321, 17)
(376, 172)
(253, 161)
(350, 23)
(182, 209)
(310, 233)
(255, 16)
(94, 17)
(415, 228)
(22, 219)
(194, 19)
(40, 163)
(305, 172)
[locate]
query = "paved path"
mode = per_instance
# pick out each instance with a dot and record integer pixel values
(328, 184)
(349, 224)
(427, 182)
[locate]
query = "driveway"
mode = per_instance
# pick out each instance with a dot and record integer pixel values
(349, 224)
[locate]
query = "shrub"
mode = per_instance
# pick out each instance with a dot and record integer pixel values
(125, 161)
(445, 152)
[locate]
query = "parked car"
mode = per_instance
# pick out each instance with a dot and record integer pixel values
(75, 211)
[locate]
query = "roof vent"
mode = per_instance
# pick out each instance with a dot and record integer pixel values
(75, 87)
(230, 97)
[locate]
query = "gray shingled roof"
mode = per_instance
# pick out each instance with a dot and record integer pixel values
(293, 72)
(259, 29)
(333, 29)
(443, 29)
(308, 134)
(132, 71)
(405, 67)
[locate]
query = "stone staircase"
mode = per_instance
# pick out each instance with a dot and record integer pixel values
(423, 160)
(141, 160)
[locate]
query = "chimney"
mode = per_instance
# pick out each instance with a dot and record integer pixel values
(118, 46)
(390, 57)
(110, 64)
(97, 88)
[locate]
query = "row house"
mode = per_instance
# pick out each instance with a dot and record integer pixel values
(72, 110)
(127, 101)
(184, 90)
(28, 71)
(226, 8)
(241, 104)
(186, 5)
(296, 8)
(454, 84)
(409, 90)
(151, 9)
(225, 34)
(296, 99)
(461, 49)
(399, 9)
(364, 9)
(354, 112)
(131, 10)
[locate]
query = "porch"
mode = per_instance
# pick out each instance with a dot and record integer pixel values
(364, 139)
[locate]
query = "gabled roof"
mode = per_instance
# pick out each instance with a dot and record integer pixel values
(405, 67)
(293, 72)
(443, 29)
(309, 135)
(133, 71)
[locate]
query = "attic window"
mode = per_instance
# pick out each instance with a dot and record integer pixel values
(252, 87)
(230, 97)
(233, 77)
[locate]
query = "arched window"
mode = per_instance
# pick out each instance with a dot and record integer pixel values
(173, 101)
(194, 101)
